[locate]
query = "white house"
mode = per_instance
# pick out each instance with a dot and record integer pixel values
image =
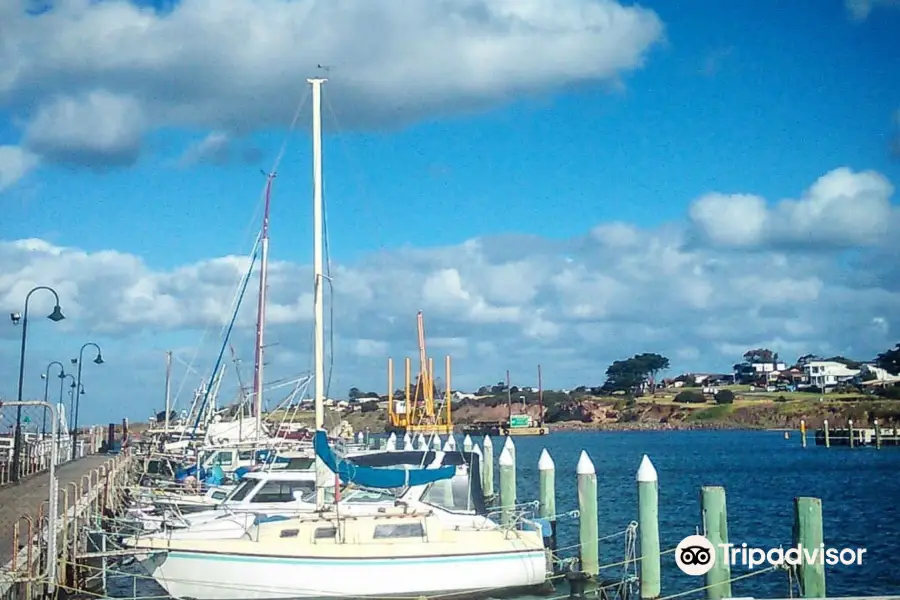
(824, 373)
(457, 395)
(881, 375)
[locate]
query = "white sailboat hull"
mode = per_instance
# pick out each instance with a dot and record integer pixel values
(211, 576)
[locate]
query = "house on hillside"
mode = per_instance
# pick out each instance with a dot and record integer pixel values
(873, 375)
(754, 372)
(828, 373)
(457, 395)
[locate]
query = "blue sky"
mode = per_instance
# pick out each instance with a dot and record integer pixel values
(735, 98)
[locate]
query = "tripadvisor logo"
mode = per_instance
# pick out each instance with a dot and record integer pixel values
(696, 555)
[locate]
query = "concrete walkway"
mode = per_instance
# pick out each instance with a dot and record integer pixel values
(25, 498)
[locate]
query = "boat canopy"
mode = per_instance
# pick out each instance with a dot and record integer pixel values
(373, 477)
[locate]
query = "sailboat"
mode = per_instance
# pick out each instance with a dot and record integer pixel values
(405, 549)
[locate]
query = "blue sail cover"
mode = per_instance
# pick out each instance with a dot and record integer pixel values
(373, 477)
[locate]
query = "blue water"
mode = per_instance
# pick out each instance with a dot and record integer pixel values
(761, 472)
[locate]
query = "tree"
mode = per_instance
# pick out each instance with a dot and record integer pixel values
(630, 374)
(807, 358)
(354, 393)
(760, 355)
(724, 397)
(653, 363)
(889, 360)
(690, 397)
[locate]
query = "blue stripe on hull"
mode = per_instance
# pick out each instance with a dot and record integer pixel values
(529, 555)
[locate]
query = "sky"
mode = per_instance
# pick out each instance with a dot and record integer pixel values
(559, 183)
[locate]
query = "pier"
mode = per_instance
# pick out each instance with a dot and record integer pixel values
(49, 512)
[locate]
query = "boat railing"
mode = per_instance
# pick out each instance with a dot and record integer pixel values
(519, 517)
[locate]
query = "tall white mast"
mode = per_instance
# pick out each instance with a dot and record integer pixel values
(318, 271)
(261, 313)
(168, 391)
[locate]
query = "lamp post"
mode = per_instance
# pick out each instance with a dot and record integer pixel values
(80, 390)
(62, 381)
(46, 377)
(55, 316)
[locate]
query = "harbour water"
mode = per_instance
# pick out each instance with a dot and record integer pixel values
(761, 472)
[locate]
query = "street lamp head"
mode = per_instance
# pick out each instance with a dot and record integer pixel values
(62, 375)
(15, 318)
(72, 385)
(99, 359)
(57, 314)
(74, 361)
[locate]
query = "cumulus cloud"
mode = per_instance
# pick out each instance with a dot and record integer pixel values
(94, 129)
(241, 65)
(842, 209)
(513, 301)
(15, 163)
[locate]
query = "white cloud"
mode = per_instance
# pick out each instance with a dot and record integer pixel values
(95, 129)
(214, 149)
(241, 65)
(842, 209)
(15, 163)
(497, 303)
(860, 9)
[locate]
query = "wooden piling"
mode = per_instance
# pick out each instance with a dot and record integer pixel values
(588, 536)
(877, 434)
(802, 433)
(507, 487)
(436, 443)
(648, 529)
(808, 534)
(487, 479)
(467, 443)
(715, 527)
(547, 493)
(852, 441)
(827, 434)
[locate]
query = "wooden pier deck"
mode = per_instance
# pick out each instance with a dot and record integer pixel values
(26, 497)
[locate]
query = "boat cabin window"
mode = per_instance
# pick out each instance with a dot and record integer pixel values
(452, 494)
(299, 464)
(289, 533)
(325, 533)
(223, 458)
(282, 491)
(219, 495)
(368, 496)
(245, 455)
(399, 530)
(241, 491)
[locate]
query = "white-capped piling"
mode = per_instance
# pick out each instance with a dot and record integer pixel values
(509, 446)
(487, 472)
(648, 528)
(547, 494)
(507, 486)
(827, 434)
(391, 443)
(467, 443)
(588, 536)
(421, 442)
(450, 444)
(852, 441)
(360, 437)
(436, 442)
(407, 441)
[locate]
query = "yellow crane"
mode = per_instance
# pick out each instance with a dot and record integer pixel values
(415, 411)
